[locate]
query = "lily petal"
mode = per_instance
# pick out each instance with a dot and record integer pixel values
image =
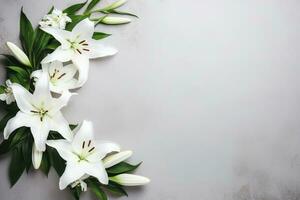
(96, 170)
(61, 102)
(42, 90)
(23, 97)
(106, 147)
(60, 54)
(36, 74)
(72, 173)
(64, 149)
(40, 132)
(84, 132)
(97, 49)
(60, 124)
(59, 35)
(82, 64)
(21, 119)
(85, 28)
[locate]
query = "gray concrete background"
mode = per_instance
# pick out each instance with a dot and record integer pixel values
(205, 92)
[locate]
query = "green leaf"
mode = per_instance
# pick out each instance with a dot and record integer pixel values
(27, 151)
(11, 60)
(40, 44)
(74, 8)
(75, 20)
(5, 119)
(2, 89)
(73, 126)
(115, 188)
(56, 161)
(27, 34)
(121, 13)
(16, 138)
(16, 167)
(91, 5)
(22, 72)
(45, 165)
(121, 168)
(96, 189)
(76, 192)
(53, 45)
(100, 35)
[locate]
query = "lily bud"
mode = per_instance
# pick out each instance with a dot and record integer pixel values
(130, 180)
(115, 5)
(36, 157)
(19, 54)
(116, 158)
(115, 20)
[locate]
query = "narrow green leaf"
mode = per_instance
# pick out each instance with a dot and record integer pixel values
(74, 8)
(53, 45)
(45, 165)
(121, 168)
(96, 189)
(91, 5)
(27, 34)
(76, 192)
(17, 166)
(40, 44)
(100, 35)
(11, 60)
(22, 72)
(5, 119)
(73, 126)
(115, 188)
(26, 150)
(56, 161)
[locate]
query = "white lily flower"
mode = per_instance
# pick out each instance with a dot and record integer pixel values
(56, 19)
(115, 20)
(83, 155)
(39, 111)
(36, 157)
(19, 54)
(130, 180)
(116, 158)
(61, 77)
(8, 95)
(78, 46)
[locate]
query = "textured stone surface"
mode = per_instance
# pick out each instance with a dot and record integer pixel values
(206, 92)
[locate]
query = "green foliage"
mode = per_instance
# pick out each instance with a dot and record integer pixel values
(76, 192)
(39, 47)
(74, 8)
(56, 161)
(27, 34)
(91, 5)
(16, 167)
(45, 164)
(100, 35)
(115, 188)
(122, 167)
(96, 189)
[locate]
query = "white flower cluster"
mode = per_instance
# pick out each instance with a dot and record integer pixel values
(41, 112)
(56, 19)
